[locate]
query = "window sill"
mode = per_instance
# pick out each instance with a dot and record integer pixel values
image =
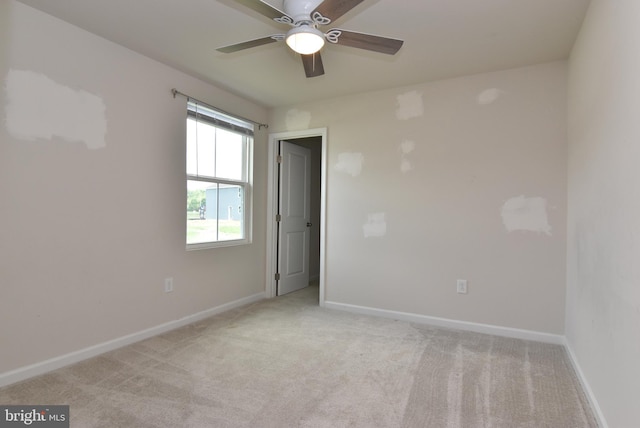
(219, 244)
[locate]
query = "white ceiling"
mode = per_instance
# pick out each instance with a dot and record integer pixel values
(443, 38)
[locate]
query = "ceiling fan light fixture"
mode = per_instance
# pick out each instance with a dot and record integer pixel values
(305, 39)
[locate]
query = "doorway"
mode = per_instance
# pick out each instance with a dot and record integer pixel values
(314, 141)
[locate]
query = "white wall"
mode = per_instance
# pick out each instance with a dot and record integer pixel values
(92, 223)
(417, 180)
(603, 296)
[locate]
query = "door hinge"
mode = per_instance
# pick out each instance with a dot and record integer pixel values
(279, 159)
(277, 277)
(278, 217)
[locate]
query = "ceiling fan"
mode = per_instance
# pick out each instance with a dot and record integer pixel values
(305, 16)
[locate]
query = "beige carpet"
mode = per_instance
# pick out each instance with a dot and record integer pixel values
(286, 362)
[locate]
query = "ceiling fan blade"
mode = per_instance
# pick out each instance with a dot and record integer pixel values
(251, 43)
(312, 64)
(334, 9)
(265, 9)
(366, 41)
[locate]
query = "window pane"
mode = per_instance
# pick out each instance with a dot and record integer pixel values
(202, 225)
(215, 212)
(201, 149)
(230, 155)
(192, 153)
(230, 213)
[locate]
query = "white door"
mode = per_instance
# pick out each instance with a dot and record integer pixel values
(294, 210)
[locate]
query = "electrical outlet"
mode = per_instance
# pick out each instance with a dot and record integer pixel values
(168, 285)
(461, 286)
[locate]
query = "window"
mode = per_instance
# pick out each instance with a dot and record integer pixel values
(219, 150)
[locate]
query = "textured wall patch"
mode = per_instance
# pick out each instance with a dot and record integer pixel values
(409, 105)
(39, 108)
(375, 227)
(405, 165)
(351, 163)
(298, 119)
(489, 96)
(526, 214)
(406, 147)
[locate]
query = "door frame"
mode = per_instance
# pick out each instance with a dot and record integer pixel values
(272, 205)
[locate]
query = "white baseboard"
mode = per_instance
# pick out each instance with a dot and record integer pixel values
(449, 323)
(32, 370)
(602, 422)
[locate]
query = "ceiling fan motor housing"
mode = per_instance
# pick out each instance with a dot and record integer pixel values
(300, 10)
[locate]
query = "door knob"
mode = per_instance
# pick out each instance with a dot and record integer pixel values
(309, 224)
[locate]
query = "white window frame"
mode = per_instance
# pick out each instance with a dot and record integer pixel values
(227, 123)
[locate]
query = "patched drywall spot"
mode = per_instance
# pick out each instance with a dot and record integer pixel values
(409, 105)
(39, 108)
(298, 119)
(351, 163)
(406, 147)
(526, 214)
(375, 227)
(489, 96)
(405, 166)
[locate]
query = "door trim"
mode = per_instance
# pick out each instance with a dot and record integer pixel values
(272, 206)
